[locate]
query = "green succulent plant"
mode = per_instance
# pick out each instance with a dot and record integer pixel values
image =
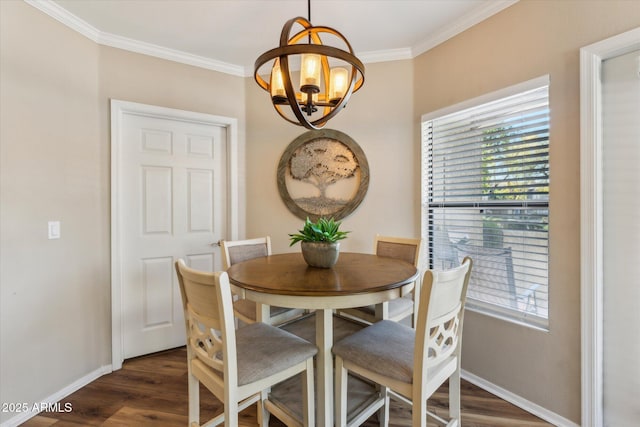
(324, 230)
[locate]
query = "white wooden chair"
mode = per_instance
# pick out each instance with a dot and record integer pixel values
(400, 308)
(247, 311)
(409, 364)
(238, 366)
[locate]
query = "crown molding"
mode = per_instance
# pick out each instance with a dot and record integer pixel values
(466, 22)
(113, 40)
(385, 55)
(65, 17)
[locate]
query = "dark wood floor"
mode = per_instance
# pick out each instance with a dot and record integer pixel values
(152, 391)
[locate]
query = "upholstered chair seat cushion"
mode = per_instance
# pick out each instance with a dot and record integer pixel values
(264, 350)
(247, 308)
(386, 348)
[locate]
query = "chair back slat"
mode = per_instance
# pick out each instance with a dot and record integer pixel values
(205, 340)
(443, 336)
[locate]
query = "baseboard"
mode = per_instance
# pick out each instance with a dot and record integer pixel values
(56, 397)
(519, 401)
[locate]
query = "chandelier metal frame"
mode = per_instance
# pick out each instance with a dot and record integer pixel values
(307, 101)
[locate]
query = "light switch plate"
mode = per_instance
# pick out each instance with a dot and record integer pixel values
(54, 229)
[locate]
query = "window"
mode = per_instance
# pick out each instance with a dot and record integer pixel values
(485, 194)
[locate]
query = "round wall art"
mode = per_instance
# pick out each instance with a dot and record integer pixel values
(323, 173)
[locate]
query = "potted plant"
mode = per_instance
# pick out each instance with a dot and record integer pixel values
(319, 242)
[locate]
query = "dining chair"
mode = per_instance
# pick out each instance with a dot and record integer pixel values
(409, 364)
(406, 249)
(239, 366)
(494, 278)
(234, 251)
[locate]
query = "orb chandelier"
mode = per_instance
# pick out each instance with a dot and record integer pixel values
(328, 74)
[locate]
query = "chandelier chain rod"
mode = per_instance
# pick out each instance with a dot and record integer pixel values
(309, 17)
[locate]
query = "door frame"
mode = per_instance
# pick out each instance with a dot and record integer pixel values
(118, 110)
(591, 199)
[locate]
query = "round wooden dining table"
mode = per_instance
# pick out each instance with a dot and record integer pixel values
(357, 279)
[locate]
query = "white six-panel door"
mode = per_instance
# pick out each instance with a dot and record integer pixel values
(172, 204)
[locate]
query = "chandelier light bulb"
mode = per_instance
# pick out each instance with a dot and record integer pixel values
(310, 73)
(338, 82)
(278, 94)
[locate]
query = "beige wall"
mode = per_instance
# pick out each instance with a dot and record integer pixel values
(139, 78)
(55, 85)
(527, 40)
(379, 119)
(54, 293)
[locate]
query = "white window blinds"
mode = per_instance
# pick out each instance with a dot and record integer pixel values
(486, 195)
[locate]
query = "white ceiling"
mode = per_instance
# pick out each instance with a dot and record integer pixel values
(228, 35)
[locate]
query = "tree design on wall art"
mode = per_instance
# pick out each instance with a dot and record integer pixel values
(323, 173)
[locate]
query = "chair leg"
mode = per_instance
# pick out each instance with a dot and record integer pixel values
(309, 412)
(340, 393)
(231, 413)
(419, 413)
(454, 395)
(194, 398)
(263, 413)
(383, 415)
